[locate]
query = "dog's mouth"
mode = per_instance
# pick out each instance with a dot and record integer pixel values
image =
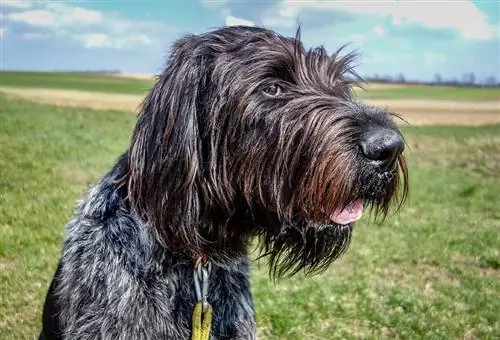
(350, 214)
(375, 193)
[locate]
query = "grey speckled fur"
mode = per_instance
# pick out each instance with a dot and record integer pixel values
(117, 282)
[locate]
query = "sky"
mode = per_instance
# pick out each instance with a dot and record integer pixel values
(414, 37)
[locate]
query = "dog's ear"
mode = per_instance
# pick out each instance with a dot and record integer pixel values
(164, 183)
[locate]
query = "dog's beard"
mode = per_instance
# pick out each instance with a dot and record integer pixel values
(381, 190)
(304, 245)
(311, 245)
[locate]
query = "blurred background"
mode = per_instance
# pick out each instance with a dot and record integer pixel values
(73, 74)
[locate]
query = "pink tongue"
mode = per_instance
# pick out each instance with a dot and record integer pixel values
(351, 213)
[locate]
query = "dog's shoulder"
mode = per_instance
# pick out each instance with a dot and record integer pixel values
(111, 267)
(115, 280)
(104, 229)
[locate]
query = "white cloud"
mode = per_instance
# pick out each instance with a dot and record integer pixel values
(90, 28)
(94, 40)
(234, 21)
(33, 18)
(102, 40)
(57, 15)
(16, 4)
(459, 15)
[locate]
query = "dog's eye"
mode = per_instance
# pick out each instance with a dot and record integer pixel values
(273, 90)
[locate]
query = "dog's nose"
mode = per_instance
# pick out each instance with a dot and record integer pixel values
(382, 147)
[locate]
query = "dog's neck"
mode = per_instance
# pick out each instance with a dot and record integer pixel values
(225, 244)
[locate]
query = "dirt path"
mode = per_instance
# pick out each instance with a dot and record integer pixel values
(94, 100)
(415, 112)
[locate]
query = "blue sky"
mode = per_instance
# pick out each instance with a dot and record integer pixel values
(416, 38)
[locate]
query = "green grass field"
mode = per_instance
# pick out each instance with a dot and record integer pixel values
(75, 81)
(430, 272)
(106, 83)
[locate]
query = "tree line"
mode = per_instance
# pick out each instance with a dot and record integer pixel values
(467, 79)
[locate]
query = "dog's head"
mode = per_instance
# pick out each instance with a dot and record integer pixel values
(248, 133)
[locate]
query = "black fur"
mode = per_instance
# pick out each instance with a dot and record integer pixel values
(245, 134)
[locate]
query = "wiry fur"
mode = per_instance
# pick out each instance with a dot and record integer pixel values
(212, 163)
(117, 282)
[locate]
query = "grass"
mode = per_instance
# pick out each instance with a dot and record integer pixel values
(82, 81)
(113, 84)
(430, 272)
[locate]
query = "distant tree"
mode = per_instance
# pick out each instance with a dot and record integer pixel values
(387, 79)
(469, 79)
(490, 81)
(438, 79)
(400, 79)
(472, 79)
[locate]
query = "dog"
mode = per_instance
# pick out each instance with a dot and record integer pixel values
(245, 135)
